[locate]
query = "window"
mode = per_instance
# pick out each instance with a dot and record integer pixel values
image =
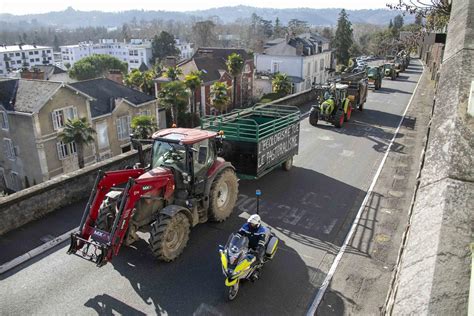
(17, 54)
(8, 148)
(30, 53)
(48, 51)
(65, 150)
(36, 52)
(32, 60)
(61, 116)
(123, 127)
(4, 120)
(102, 135)
(321, 65)
(315, 69)
(275, 67)
(37, 59)
(145, 112)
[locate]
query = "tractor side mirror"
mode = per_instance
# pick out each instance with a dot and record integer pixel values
(202, 155)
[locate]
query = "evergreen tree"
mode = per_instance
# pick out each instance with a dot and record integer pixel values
(163, 46)
(398, 21)
(343, 39)
(96, 66)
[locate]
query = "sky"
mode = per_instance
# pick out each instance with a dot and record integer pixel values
(20, 7)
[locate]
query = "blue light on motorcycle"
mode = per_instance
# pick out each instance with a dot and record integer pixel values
(258, 193)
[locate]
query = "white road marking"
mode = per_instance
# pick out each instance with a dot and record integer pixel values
(325, 137)
(347, 153)
(319, 295)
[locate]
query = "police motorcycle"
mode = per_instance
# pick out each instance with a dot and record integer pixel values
(240, 262)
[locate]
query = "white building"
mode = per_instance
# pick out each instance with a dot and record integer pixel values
(185, 48)
(306, 59)
(15, 57)
(135, 53)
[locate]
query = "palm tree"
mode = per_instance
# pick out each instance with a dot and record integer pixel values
(193, 81)
(143, 126)
(281, 84)
(141, 80)
(173, 73)
(219, 96)
(173, 95)
(80, 132)
(235, 65)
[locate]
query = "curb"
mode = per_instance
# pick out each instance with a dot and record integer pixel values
(36, 251)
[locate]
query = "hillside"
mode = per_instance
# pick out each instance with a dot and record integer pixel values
(71, 18)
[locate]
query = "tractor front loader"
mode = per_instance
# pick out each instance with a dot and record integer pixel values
(185, 184)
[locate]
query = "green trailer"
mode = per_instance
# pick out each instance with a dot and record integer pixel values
(258, 139)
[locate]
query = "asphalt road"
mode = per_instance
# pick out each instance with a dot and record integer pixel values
(310, 208)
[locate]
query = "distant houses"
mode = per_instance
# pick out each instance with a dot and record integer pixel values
(16, 57)
(306, 59)
(211, 62)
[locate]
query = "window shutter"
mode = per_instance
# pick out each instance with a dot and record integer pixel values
(55, 122)
(74, 109)
(119, 129)
(128, 127)
(16, 150)
(60, 153)
(5, 147)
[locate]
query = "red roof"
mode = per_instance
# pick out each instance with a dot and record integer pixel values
(185, 135)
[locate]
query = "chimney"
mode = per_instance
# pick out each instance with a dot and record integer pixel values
(115, 75)
(170, 61)
(35, 73)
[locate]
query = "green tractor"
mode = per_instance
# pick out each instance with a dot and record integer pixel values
(389, 71)
(375, 75)
(399, 65)
(333, 106)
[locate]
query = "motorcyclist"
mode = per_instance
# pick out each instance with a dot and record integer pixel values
(255, 232)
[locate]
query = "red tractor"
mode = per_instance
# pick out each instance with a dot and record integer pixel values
(186, 183)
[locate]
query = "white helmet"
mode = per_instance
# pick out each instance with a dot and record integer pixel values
(254, 220)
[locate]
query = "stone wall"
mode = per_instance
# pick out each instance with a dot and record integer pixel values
(297, 99)
(32, 203)
(436, 260)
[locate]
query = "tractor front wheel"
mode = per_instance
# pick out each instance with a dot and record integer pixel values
(339, 119)
(169, 236)
(106, 217)
(223, 195)
(313, 117)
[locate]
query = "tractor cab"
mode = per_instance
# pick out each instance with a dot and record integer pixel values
(189, 153)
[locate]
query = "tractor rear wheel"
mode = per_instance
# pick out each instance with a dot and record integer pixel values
(313, 117)
(169, 236)
(223, 195)
(347, 116)
(339, 119)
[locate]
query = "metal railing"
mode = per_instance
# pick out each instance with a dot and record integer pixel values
(252, 124)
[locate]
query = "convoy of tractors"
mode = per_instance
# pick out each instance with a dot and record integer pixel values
(188, 176)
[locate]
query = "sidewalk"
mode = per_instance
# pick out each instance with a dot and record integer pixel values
(24, 239)
(363, 277)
